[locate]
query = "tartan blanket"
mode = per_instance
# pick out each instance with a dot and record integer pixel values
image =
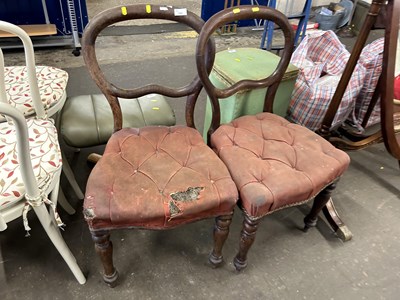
(321, 58)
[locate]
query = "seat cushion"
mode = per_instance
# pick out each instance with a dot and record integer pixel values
(45, 157)
(275, 163)
(52, 84)
(157, 177)
(87, 120)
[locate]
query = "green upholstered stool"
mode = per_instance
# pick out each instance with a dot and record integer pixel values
(234, 65)
(87, 120)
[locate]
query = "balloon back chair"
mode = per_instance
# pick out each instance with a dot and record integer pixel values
(30, 168)
(275, 164)
(154, 177)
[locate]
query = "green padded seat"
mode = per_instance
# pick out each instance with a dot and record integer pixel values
(233, 65)
(87, 120)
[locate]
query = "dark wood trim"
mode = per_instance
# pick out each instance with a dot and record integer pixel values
(104, 249)
(247, 238)
(221, 231)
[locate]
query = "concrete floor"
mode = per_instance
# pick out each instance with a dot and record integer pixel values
(284, 262)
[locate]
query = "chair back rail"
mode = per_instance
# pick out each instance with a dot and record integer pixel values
(30, 66)
(131, 12)
(272, 82)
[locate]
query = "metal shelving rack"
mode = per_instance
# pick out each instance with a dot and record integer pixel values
(266, 40)
(74, 27)
(69, 23)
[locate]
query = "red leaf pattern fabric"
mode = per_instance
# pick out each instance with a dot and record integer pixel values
(45, 157)
(52, 83)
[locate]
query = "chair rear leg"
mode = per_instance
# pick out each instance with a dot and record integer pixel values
(104, 249)
(64, 203)
(247, 238)
(319, 202)
(221, 231)
(69, 174)
(55, 236)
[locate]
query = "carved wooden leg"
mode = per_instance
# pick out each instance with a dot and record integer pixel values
(247, 237)
(341, 230)
(221, 231)
(324, 201)
(319, 202)
(104, 249)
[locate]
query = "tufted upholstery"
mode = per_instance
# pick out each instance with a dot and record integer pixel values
(275, 163)
(52, 84)
(157, 177)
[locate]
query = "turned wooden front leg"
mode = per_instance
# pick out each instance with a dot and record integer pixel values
(104, 249)
(319, 202)
(247, 237)
(221, 231)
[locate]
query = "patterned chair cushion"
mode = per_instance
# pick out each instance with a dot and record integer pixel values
(157, 177)
(52, 83)
(45, 157)
(275, 163)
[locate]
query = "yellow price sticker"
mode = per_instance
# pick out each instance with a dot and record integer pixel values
(236, 10)
(124, 11)
(148, 8)
(255, 9)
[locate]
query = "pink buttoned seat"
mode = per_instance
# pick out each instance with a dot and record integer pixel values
(157, 177)
(275, 164)
(153, 177)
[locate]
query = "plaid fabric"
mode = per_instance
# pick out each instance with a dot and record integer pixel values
(321, 58)
(371, 60)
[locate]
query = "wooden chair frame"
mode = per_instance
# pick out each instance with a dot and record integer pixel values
(390, 116)
(101, 238)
